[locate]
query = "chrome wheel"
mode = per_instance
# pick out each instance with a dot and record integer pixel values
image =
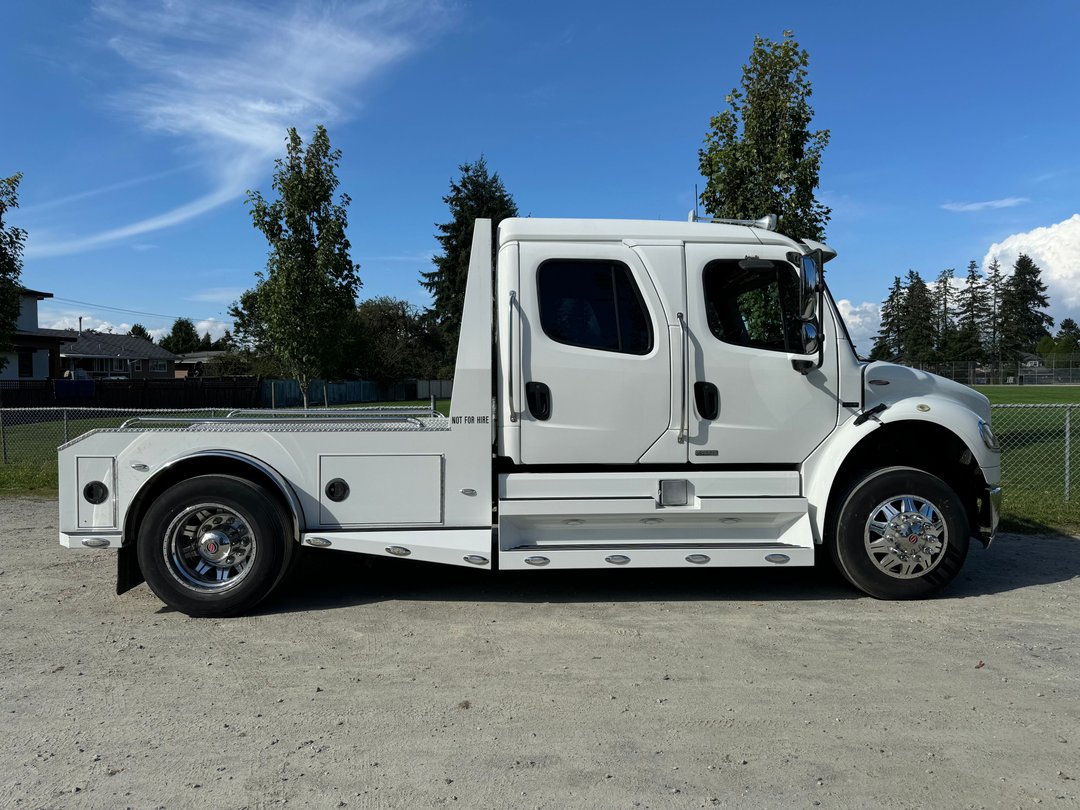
(906, 536)
(209, 547)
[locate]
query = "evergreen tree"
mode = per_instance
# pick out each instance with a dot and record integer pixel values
(1023, 299)
(305, 297)
(1067, 340)
(11, 251)
(182, 338)
(760, 156)
(972, 308)
(207, 343)
(889, 341)
(138, 330)
(943, 295)
(475, 195)
(918, 317)
(995, 287)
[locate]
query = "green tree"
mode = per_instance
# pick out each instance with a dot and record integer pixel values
(944, 326)
(395, 341)
(972, 308)
(760, 156)
(1023, 298)
(919, 334)
(12, 240)
(890, 341)
(304, 298)
(477, 194)
(182, 338)
(249, 331)
(138, 330)
(995, 287)
(1067, 340)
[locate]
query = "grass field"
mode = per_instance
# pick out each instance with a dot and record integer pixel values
(1031, 394)
(1033, 458)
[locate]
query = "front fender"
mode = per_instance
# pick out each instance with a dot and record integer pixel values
(821, 469)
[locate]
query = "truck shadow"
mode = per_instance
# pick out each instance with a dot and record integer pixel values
(328, 579)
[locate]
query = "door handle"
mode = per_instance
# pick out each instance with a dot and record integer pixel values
(707, 398)
(538, 398)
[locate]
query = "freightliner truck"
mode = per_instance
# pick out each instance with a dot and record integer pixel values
(627, 394)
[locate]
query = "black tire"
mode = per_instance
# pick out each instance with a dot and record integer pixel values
(901, 533)
(214, 545)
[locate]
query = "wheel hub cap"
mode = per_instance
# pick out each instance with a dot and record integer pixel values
(906, 536)
(209, 547)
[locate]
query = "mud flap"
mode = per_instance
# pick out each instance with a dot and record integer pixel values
(128, 572)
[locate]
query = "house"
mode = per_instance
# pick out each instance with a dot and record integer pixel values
(191, 364)
(103, 355)
(37, 352)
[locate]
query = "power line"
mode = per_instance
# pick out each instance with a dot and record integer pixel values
(128, 311)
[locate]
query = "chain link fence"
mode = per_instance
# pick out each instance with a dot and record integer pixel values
(1040, 451)
(1039, 443)
(31, 435)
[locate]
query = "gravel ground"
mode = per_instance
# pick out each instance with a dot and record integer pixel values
(406, 685)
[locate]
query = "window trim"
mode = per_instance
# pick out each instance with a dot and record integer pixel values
(754, 346)
(25, 356)
(638, 297)
(159, 366)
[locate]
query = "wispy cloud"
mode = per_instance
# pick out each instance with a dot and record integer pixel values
(217, 295)
(1004, 202)
(227, 78)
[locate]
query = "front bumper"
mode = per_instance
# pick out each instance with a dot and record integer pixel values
(989, 514)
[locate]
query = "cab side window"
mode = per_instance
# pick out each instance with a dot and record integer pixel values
(594, 305)
(755, 307)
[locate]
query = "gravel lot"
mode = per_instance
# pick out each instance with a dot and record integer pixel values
(401, 684)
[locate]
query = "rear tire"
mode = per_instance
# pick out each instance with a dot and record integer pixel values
(900, 534)
(214, 546)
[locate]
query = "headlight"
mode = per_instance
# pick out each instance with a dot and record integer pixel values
(988, 436)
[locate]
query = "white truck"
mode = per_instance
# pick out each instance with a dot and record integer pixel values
(627, 394)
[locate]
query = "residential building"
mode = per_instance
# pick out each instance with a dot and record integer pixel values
(103, 355)
(37, 352)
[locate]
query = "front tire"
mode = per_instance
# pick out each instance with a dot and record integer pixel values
(901, 533)
(214, 546)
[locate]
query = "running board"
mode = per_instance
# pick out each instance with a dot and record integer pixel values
(720, 555)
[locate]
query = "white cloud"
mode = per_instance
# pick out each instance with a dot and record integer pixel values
(863, 322)
(1004, 202)
(215, 327)
(1056, 249)
(69, 320)
(227, 79)
(217, 295)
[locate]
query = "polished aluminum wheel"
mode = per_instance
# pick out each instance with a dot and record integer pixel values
(209, 547)
(906, 536)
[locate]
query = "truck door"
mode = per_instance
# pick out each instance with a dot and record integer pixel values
(593, 355)
(746, 402)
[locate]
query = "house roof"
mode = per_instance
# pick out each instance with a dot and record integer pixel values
(52, 335)
(38, 294)
(105, 344)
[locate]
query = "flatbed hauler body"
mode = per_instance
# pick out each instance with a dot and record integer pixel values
(660, 395)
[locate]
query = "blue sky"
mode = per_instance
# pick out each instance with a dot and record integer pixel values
(138, 125)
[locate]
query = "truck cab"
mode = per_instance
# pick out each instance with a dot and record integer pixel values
(659, 394)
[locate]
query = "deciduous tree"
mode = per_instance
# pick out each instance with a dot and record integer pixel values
(304, 298)
(395, 341)
(760, 156)
(12, 240)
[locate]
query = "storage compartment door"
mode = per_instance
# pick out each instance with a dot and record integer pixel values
(380, 490)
